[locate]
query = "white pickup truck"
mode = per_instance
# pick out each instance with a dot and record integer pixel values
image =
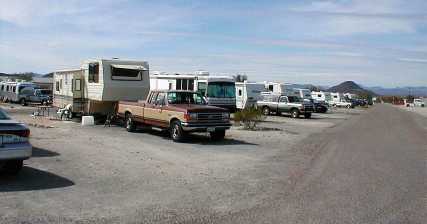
(419, 103)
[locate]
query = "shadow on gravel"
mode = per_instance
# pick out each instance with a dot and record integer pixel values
(30, 179)
(38, 152)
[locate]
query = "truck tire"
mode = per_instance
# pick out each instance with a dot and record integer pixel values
(129, 123)
(23, 102)
(348, 106)
(176, 132)
(307, 115)
(217, 135)
(295, 113)
(13, 167)
(266, 111)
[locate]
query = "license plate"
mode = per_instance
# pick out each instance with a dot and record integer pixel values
(210, 129)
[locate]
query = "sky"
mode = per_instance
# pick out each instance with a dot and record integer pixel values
(373, 42)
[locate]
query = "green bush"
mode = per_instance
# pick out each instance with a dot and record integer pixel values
(249, 117)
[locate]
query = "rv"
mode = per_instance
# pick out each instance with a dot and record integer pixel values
(324, 97)
(218, 90)
(304, 94)
(12, 91)
(247, 94)
(97, 86)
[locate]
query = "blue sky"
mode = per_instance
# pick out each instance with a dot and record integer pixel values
(380, 42)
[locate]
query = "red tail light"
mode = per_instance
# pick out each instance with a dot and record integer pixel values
(24, 133)
(187, 117)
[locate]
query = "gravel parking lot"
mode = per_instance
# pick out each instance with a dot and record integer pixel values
(105, 174)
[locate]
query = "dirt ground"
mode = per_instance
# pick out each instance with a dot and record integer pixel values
(105, 174)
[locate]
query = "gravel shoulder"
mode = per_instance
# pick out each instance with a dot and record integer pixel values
(103, 175)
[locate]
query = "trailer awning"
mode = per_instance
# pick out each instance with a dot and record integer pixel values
(133, 67)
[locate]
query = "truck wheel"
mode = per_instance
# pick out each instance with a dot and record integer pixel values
(217, 135)
(23, 102)
(177, 134)
(129, 124)
(13, 167)
(348, 106)
(266, 111)
(295, 113)
(307, 115)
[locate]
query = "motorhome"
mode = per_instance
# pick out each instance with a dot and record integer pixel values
(12, 91)
(324, 97)
(97, 86)
(304, 94)
(248, 93)
(218, 90)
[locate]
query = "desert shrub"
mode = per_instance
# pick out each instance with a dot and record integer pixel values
(249, 117)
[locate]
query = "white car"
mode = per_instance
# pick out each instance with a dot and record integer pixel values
(342, 104)
(14, 144)
(419, 103)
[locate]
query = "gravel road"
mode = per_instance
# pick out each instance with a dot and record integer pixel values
(351, 166)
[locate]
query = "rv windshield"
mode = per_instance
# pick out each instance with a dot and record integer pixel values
(221, 90)
(185, 98)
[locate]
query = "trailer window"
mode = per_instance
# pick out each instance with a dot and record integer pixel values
(57, 86)
(319, 95)
(2, 87)
(7, 88)
(93, 73)
(184, 84)
(240, 92)
(126, 74)
(14, 89)
(202, 88)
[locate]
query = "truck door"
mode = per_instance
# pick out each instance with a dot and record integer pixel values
(283, 104)
(160, 110)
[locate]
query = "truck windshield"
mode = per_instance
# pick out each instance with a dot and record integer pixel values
(185, 98)
(221, 90)
(294, 99)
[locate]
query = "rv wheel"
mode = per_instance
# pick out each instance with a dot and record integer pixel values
(266, 111)
(23, 102)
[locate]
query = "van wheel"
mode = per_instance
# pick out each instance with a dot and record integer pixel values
(217, 135)
(177, 134)
(129, 124)
(307, 115)
(266, 111)
(13, 167)
(23, 102)
(295, 113)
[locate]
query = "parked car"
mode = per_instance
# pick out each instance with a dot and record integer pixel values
(178, 111)
(319, 107)
(14, 144)
(419, 103)
(343, 104)
(34, 95)
(279, 104)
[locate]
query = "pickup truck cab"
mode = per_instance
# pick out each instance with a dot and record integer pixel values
(279, 104)
(180, 112)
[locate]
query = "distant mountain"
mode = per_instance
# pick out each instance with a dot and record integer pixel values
(351, 87)
(400, 91)
(28, 76)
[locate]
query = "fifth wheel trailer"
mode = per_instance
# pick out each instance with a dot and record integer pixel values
(248, 93)
(97, 86)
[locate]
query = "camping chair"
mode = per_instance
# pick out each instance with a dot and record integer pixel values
(66, 111)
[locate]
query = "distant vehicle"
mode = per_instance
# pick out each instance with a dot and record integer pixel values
(319, 107)
(419, 103)
(179, 111)
(34, 95)
(96, 87)
(324, 97)
(12, 91)
(14, 144)
(247, 94)
(279, 104)
(218, 91)
(338, 100)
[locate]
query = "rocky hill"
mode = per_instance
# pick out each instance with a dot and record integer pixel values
(351, 87)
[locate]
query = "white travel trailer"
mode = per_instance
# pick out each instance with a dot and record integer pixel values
(279, 88)
(98, 84)
(12, 91)
(219, 90)
(247, 94)
(321, 96)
